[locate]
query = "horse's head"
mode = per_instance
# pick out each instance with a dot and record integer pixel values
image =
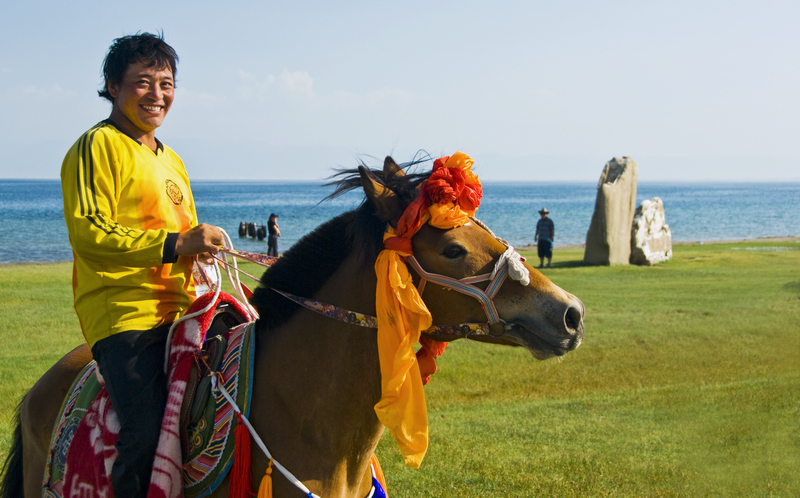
(540, 316)
(533, 312)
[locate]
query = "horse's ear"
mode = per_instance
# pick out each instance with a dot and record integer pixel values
(390, 168)
(387, 204)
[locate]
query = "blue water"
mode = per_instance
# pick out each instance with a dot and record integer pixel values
(32, 224)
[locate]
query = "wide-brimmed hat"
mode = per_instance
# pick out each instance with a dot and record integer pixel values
(543, 211)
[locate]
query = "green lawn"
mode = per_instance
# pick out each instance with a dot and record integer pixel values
(687, 384)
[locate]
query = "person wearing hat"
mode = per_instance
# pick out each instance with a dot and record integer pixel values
(274, 233)
(545, 233)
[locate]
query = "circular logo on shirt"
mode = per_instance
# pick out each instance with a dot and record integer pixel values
(174, 192)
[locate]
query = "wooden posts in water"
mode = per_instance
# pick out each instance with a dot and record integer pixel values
(252, 230)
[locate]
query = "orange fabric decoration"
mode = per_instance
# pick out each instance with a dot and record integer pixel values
(401, 317)
(379, 473)
(447, 200)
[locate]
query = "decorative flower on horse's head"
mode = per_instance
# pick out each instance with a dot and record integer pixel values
(453, 191)
(453, 181)
(444, 185)
(447, 199)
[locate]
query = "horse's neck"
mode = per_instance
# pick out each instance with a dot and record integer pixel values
(316, 383)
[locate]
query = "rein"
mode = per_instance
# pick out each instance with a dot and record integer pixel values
(352, 317)
(509, 261)
(371, 322)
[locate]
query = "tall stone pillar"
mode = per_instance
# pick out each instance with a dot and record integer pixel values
(608, 241)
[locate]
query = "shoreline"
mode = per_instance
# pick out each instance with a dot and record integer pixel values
(531, 247)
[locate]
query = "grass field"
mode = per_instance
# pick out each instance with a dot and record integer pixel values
(687, 384)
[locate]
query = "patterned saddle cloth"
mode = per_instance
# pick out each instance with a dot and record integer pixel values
(207, 451)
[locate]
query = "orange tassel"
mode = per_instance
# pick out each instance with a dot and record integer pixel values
(265, 489)
(240, 483)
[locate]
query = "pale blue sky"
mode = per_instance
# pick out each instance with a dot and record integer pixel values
(692, 90)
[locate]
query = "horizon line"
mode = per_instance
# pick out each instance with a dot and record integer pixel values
(489, 181)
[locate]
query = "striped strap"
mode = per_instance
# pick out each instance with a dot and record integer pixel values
(466, 286)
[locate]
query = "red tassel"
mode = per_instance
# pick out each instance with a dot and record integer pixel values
(426, 355)
(240, 485)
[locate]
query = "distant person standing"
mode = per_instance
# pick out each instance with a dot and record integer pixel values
(274, 233)
(545, 233)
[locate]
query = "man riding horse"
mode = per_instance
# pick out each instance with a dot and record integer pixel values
(324, 390)
(133, 229)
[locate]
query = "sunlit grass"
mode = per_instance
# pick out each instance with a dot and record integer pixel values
(687, 384)
(37, 326)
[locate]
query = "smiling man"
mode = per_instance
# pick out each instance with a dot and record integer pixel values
(133, 228)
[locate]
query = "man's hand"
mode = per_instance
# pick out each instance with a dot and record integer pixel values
(203, 239)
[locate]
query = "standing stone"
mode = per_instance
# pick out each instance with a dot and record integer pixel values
(651, 240)
(608, 241)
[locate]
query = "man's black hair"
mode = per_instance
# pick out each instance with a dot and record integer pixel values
(149, 49)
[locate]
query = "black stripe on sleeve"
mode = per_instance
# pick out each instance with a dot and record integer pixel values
(110, 227)
(91, 173)
(86, 158)
(81, 162)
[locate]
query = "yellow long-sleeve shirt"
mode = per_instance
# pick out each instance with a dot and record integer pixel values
(124, 206)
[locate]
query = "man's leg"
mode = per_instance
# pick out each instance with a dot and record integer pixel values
(132, 365)
(540, 251)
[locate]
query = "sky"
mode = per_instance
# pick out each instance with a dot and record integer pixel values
(532, 90)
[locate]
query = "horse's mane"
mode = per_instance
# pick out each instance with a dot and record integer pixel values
(305, 268)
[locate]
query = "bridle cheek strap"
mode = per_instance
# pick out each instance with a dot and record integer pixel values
(466, 286)
(509, 263)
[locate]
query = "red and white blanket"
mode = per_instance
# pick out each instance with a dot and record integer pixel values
(92, 452)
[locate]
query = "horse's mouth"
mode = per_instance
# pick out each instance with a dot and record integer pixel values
(529, 335)
(540, 344)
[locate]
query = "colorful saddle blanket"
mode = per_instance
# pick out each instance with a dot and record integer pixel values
(82, 446)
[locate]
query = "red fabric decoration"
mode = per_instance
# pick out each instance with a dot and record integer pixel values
(411, 220)
(445, 185)
(400, 244)
(453, 182)
(426, 355)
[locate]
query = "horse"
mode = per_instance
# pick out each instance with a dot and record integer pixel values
(317, 380)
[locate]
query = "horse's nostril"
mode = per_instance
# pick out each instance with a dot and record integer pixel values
(572, 319)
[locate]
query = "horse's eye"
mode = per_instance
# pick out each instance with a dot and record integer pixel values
(453, 251)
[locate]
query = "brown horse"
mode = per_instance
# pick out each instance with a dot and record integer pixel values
(317, 380)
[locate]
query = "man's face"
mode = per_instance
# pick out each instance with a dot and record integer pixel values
(144, 96)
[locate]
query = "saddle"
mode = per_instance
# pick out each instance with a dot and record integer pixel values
(198, 387)
(82, 445)
(205, 440)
